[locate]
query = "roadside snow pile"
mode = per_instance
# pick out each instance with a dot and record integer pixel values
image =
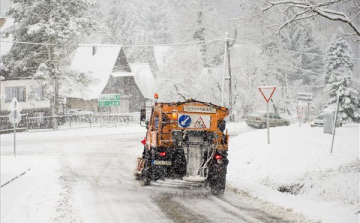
(298, 162)
(33, 192)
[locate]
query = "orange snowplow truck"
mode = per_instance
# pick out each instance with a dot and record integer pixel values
(185, 140)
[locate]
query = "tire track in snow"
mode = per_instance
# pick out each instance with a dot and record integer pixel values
(66, 212)
(178, 212)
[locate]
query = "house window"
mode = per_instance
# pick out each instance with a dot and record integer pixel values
(39, 93)
(15, 92)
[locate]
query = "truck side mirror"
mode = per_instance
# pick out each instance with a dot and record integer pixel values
(142, 114)
(147, 124)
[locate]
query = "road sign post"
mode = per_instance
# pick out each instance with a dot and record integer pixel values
(306, 98)
(267, 92)
(14, 117)
(300, 112)
(108, 100)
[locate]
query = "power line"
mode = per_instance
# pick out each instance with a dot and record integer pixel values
(179, 44)
(291, 51)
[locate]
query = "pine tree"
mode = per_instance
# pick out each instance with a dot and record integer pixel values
(57, 27)
(338, 71)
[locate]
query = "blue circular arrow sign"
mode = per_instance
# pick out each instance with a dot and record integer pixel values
(184, 121)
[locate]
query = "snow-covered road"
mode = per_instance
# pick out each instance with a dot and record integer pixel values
(86, 175)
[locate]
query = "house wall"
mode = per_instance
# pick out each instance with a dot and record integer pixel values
(24, 105)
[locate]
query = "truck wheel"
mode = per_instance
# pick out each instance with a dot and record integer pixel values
(217, 179)
(179, 165)
(146, 177)
(147, 171)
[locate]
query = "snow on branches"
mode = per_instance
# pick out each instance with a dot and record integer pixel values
(306, 9)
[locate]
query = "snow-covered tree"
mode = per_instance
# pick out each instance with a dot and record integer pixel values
(44, 33)
(338, 71)
(121, 22)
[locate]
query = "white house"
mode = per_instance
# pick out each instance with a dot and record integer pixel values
(18, 87)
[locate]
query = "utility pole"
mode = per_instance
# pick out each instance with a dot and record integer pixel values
(229, 70)
(225, 69)
(228, 64)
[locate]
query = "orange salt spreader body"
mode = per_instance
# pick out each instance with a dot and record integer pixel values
(185, 140)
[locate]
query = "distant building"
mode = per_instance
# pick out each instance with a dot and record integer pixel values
(109, 65)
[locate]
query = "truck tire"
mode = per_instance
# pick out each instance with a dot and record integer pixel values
(147, 171)
(145, 181)
(179, 165)
(217, 179)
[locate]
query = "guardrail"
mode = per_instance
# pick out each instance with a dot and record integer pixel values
(29, 123)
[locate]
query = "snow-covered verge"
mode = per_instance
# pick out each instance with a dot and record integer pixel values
(34, 180)
(297, 171)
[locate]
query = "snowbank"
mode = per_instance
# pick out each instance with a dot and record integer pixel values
(298, 163)
(34, 188)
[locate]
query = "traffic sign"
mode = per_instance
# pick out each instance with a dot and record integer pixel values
(109, 100)
(300, 113)
(184, 121)
(14, 105)
(108, 103)
(15, 117)
(267, 92)
(305, 97)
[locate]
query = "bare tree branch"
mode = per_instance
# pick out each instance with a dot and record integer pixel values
(178, 93)
(312, 9)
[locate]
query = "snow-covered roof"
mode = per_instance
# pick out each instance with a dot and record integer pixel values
(144, 79)
(99, 61)
(160, 55)
(5, 46)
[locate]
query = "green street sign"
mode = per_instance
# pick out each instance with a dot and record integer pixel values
(109, 100)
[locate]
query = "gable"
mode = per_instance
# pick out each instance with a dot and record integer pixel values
(100, 61)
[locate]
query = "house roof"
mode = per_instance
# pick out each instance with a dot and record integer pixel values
(99, 60)
(160, 53)
(144, 79)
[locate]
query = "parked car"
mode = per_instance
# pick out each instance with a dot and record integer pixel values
(79, 112)
(319, 121)
(258, 120)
